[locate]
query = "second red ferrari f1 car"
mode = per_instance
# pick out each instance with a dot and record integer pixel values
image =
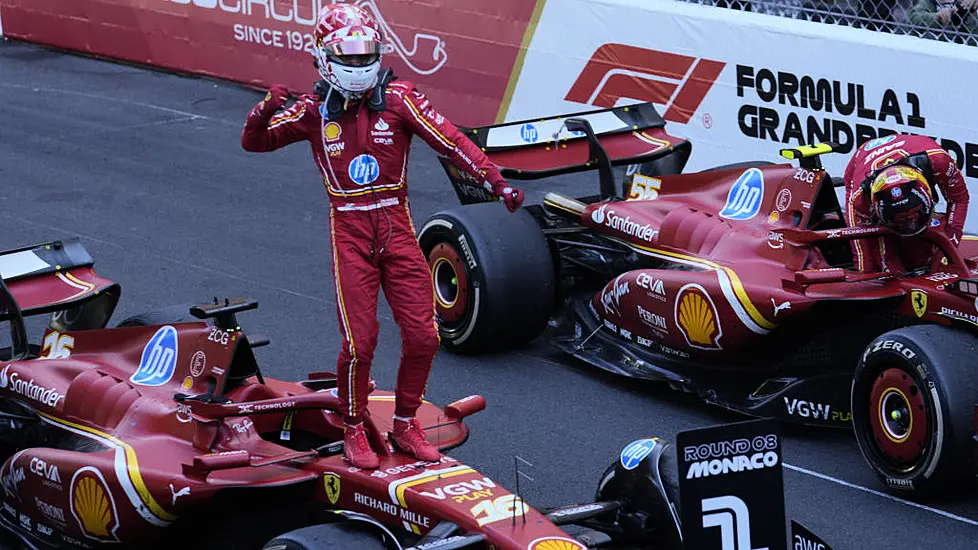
(735, 283)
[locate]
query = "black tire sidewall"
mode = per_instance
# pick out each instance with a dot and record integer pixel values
(513, 277)
(349, 535)
(936, 367)
(171, 315)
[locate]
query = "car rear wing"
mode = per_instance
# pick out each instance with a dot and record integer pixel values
(50, 277)
(569, 143)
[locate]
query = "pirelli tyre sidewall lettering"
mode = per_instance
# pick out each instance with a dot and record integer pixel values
(915, 366)
(457, 278)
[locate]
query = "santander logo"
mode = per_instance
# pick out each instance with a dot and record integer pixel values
(624, 224)
(14, 381)
(597, 216)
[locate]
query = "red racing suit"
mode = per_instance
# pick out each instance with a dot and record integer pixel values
(891, 254)
(363, 157)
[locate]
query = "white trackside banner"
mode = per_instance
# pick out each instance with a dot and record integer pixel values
(741, 86)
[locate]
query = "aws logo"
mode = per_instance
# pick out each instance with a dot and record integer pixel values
(617, 71)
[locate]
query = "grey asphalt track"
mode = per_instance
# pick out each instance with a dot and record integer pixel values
(147, 169)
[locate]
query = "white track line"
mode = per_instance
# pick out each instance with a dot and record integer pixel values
(112, 99)
(183, 263)
(924, 507)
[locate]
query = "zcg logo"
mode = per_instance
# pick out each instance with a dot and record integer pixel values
(617, 71)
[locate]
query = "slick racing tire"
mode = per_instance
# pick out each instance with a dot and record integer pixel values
(348, 535)
(913, 409)
(493, 275)
(163, 316)
(650, 493)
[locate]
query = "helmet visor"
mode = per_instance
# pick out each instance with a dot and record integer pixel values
(908, 224)
(355, 46)
(353, 53)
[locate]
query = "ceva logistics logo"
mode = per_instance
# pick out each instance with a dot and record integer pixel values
(159, 359)
(745, 196)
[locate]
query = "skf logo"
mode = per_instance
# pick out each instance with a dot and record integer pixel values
(730, 514)
(617, 71)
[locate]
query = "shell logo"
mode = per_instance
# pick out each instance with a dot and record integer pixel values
(697, 318)
(333, 131)
(556, 543)
(93, 506)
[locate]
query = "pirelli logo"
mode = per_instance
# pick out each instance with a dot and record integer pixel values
(617, 71)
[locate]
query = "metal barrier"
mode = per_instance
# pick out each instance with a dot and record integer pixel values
(944, 20)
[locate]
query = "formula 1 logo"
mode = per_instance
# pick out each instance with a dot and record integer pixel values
(731, 515)
(617, 71)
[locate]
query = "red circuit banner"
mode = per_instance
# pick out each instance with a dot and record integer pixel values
(461, 54)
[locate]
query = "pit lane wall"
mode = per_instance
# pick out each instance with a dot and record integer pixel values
(741, 85)
(461, 53)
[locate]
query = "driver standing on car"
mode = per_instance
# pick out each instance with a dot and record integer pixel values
(359, 124)
(893, 181)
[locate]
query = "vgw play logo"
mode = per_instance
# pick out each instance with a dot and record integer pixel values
(745, 196)
(159, 359)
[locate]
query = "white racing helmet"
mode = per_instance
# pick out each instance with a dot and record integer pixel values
(348, 48)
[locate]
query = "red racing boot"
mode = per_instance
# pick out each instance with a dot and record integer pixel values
(356, 448)
(409, 438)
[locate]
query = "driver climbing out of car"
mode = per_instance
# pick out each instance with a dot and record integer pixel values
(893, 181)
(359, 124)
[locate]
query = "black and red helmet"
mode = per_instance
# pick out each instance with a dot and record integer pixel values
(902, 200)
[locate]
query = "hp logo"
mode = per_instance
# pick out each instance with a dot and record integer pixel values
(635, 453)
(159, 359)
(529, 133)
(364, 169)
(745, 196)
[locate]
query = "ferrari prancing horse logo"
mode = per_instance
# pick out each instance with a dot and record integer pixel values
(331, 483)
(919, 300)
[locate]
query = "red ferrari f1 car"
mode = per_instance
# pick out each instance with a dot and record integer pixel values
(163, 432)
(735, 283)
